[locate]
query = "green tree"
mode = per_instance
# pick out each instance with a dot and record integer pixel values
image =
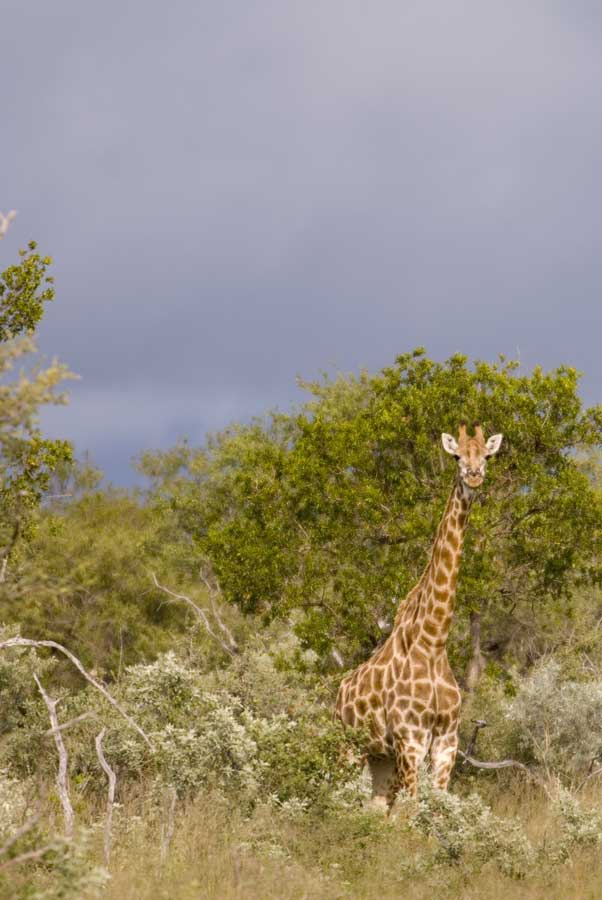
(328, 515)
(27, 459)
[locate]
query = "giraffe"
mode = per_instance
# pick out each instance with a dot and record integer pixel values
(406, 693)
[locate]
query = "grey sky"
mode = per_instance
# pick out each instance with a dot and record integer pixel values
(237, 192)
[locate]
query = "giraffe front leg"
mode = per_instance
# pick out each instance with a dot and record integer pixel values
(443, 757)
(409, 755)
(384, 780)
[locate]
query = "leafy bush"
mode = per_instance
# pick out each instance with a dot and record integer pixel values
(557, 724)
(468, 831)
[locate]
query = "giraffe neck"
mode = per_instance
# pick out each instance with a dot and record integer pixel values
(441, 575)
(432, 606)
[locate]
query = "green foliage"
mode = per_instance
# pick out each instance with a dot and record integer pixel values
(24, 289)
(84, 580)
(557, 723)
(331, 512)
(467, 831)
(27, 460)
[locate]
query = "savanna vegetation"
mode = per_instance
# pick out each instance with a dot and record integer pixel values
(169, 656)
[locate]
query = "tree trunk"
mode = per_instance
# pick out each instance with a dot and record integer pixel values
(476, 663)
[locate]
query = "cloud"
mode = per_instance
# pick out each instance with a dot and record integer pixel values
(239, 192)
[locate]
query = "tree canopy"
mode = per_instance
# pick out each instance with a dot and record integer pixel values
(327, 515)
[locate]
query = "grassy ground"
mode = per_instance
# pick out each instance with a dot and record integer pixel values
(219, 852)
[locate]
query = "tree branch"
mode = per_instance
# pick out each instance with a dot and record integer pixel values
(20, 832)
(28, 642)
(62, 776)
(112, 778)
(5, 221)
(230, 646)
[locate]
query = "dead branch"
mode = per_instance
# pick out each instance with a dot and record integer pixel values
(222, 625)
(62, 776)
(229, 646)
(5, 221)
(592, 773)
(28, 642)
(112, 778)
(32, 854)
(472, 744)
(20, 832)
(7, 551)
(167, 829)
(66, 725)
(500, 764)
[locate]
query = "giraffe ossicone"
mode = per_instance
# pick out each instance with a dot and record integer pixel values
(406, 693)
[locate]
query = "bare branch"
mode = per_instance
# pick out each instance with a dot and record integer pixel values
(231, 647)
(20, 832)
(500, 764)
(167, 829)
(591, 774)
(5, 221)
(222, 624)
(62, 776)
(32, 854)
(28, 642)
(6, 551)
(112, 778)
(472, 744)
(66, 725)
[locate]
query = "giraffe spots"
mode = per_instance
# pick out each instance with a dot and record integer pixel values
(422, 690)
(399, 642)
(348, 715)
(447, 696)
(403, 688)
(386, 652)
(365, 683)
(362, 706)
(442, 615)
(412, 718)
(441, 578)
(389, 678)
(377, 679)
(431, 629)
(374, 701)
(447, 558)
(420, 669)
(453, 540)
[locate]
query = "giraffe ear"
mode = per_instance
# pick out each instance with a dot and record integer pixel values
(450, 444)
(493, 444)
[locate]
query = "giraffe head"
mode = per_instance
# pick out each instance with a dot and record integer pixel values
(472, 453)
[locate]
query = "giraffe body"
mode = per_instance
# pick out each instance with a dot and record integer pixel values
(406, 693)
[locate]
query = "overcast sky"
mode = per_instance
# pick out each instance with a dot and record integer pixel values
(239, 191)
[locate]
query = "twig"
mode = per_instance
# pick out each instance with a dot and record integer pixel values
(32, 854)
(231, 647)
(5, 221)
(222, 624)
(589, 775)
(62, 776)
(500, 764)
(168, 830)
(20, 832)
(112, 778)
(28, 642)
(70, 723)
(478, 724)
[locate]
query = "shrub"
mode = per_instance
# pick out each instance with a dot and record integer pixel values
(557, 724)
(468, 831)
